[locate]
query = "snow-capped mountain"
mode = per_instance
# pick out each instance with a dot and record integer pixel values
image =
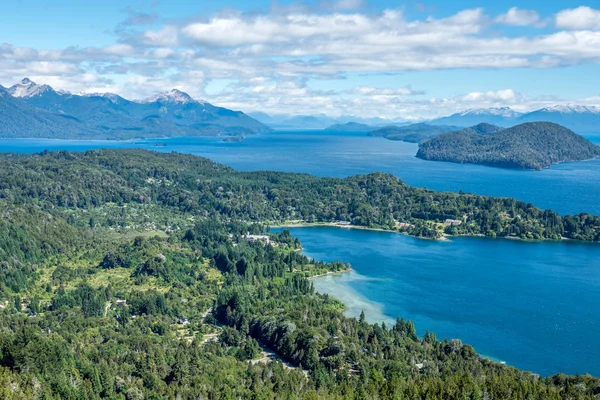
(503, 116)
(19, 119)
(570, 109)
(580, 119)
(27, 88)
(172, 96)
(505, 112)
(107, 115)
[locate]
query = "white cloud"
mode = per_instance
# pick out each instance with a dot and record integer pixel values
(119, 50)
(168, 36)
(578, 18)
(519, 17)
(271, 61)
(506, 96)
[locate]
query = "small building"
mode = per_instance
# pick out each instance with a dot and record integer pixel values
(452, 222)
(344, 223)
(121, 303)
(183, 321)
(257, 238)
(404, 225)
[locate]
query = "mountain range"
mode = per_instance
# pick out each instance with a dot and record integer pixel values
(31, 110)
(581, 119)
(319, 121)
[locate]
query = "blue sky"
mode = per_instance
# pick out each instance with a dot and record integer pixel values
(378, 58)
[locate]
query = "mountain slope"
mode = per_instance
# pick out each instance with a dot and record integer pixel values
(414, 133)
(580, 119)
(108, 115)
(535, 145)
(503, 116)
(19, 119)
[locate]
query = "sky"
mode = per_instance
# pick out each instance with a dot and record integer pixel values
(371, 58)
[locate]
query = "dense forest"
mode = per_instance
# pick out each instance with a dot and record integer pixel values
(128, 274)
(534, 145)
(125, 189)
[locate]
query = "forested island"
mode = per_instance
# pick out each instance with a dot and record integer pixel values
(414, 133)
(350, 127)
(534, 145)
(131, 274)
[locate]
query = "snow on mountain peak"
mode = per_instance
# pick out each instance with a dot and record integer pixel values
(173, 96)
(500, 112)
(27, 88)
(571, 109)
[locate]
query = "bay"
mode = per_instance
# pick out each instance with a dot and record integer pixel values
(565, 188)
(533, 305)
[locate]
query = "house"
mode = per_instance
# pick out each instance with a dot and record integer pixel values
(404, 225)
(452, 222)
(257, 238)
(4, 305)
(183, 321)
(344, 223)
(121, 303)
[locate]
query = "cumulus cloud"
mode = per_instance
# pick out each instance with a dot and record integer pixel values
(578, 18)
(519, 17)
(272, 60)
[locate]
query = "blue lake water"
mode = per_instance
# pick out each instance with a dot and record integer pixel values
(565, 188)
(533, 305)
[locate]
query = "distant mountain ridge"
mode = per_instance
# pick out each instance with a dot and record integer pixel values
(350, 127)
(109, 116)
(532, 145)
(319, 121)
(581, 119)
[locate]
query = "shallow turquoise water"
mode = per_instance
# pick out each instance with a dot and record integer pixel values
(533, 305)
(566, 188)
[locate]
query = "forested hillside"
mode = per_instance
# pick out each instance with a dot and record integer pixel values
(114, 186)
(414, 133)
(534, 145)
(127, 274)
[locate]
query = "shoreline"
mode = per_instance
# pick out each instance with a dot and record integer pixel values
(444, 238)
(331, 273)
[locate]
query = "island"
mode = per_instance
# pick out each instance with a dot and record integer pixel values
(350, 127)
(534, 145)
(132, 274)
(414, 133)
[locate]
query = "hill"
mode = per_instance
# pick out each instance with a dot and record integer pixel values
(350, 127)
(534, 145)
(414, 133)
(109, 116)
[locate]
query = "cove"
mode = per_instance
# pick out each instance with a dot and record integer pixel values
(533, 305)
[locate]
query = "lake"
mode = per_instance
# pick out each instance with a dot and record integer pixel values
(533, 305)
(565, 188)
